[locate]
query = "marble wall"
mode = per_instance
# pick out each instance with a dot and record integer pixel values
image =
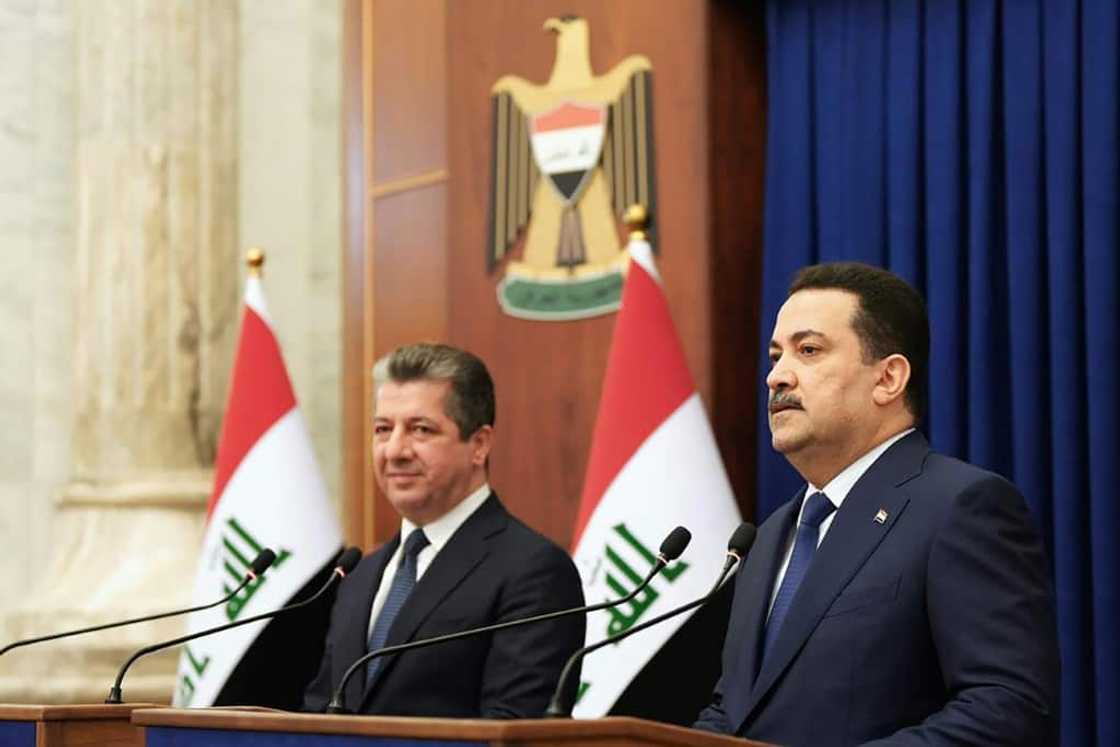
(290, 196)
(144, 145)
(38, 108)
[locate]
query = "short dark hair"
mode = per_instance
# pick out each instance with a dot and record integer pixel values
(469, 403)
(891, 317)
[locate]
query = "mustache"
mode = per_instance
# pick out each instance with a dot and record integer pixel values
(782, 400)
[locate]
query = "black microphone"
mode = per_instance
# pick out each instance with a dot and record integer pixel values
(343, 566)
(737, 547)
(264, 559)
(671, 549)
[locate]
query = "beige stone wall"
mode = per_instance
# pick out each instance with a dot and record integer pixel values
(290, 196)
(143, 146)
(37, 233)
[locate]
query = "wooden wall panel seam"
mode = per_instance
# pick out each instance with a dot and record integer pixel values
(407, 183)
(369, 509)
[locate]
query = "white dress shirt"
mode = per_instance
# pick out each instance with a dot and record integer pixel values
(836, 491)
(438, 533)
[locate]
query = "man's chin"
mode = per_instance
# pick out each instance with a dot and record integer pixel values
(403, 494)
(411, 505)
(786, 442)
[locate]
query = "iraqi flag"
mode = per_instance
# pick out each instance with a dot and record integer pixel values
(268, 492)
(654, 464)
(566, 142)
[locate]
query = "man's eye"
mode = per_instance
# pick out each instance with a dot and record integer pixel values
(774, 358)
(809, 350)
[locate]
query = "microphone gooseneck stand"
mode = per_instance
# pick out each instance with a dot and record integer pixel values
(344, 565)
(671, 548)
(260, 564)
(738, 546)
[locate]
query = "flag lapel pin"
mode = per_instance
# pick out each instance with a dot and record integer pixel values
(881, 517)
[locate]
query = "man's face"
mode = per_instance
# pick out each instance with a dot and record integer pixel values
(422, 465)
(821, 406)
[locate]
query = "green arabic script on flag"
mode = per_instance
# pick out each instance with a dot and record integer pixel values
(634, 609)
(239, 548)
(623, 577)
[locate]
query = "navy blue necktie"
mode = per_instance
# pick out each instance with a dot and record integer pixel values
(817, 509)
(398, 594)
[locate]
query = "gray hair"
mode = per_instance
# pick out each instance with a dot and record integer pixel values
(469, 403)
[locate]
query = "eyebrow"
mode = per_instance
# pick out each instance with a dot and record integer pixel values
(800, 335)
(406, 419)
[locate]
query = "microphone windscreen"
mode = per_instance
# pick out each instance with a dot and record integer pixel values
(675, 543)
(742, 539)
(264, 559)
(348, 559)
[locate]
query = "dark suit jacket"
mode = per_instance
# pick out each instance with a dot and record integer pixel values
(936, 626)
(494, 568)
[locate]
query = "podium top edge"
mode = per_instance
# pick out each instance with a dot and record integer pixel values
(427, 728)
(78, 712)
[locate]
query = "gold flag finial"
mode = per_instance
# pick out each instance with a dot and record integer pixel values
(636, 219)
(254, 258)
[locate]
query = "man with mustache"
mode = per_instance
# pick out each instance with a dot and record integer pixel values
(460, 561)
(901, 597)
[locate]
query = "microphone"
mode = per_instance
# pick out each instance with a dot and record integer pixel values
(343, 566)
(737, 547)
(264, 559)
(671, 548)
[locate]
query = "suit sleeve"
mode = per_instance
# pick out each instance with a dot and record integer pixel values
(317, 694)
(524, 663)
(991, 613)
(712, 718)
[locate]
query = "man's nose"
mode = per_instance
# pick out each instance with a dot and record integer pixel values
(397, 446)
(780, 377)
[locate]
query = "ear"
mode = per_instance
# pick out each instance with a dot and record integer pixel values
(481, 442)
(894, 375)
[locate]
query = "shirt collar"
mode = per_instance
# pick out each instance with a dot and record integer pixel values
(838, 487)
(440, 531)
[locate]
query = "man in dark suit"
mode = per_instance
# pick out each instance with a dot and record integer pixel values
(901, 597)
(465, 562)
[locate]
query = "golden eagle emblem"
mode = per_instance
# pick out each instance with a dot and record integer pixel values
(591, 139)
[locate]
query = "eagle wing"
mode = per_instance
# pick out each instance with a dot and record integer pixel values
(628, 149)
(513, 174)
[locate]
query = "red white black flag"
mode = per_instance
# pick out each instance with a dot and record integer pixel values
(268, 492)
(654, 464)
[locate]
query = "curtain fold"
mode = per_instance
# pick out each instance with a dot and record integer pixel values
(972, 147)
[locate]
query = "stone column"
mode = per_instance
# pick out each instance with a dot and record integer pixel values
(157, 297)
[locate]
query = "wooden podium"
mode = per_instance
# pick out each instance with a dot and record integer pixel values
(169, 727)
(69, 725)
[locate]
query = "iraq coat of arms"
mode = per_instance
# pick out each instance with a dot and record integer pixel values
(569, 157)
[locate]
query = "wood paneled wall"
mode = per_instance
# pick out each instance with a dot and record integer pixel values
(417, 78)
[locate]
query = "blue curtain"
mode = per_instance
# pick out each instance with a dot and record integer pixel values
(971, 147)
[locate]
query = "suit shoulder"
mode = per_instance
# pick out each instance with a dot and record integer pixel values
(956, 476)
(947, 486)
(530, 541)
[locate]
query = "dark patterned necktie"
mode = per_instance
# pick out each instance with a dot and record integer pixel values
(398, 594)
(817, 509)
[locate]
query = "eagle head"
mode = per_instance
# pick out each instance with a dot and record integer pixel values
(563, 23)
(572, 68)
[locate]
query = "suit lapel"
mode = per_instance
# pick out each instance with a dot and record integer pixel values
(754, 583)
(851, 539)
(462, 554)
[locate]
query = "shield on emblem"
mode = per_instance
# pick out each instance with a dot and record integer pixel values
(566, 142)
